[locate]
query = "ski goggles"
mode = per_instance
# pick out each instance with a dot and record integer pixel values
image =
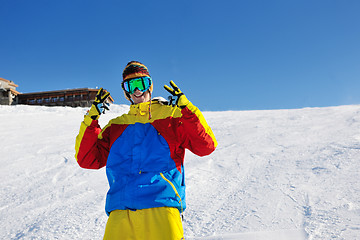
(141, 83)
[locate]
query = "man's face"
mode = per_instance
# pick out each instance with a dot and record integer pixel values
(140, 97)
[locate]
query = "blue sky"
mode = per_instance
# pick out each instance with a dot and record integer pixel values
(224, 55)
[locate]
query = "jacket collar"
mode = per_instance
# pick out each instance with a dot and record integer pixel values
(140, 108)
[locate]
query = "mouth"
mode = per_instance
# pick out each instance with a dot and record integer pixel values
(139, 95)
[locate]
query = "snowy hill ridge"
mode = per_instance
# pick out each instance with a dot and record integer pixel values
(276, 174)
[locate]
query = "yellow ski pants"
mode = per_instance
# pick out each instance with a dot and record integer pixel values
(150, 224)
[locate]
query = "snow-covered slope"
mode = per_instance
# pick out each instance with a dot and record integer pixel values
(280, 174)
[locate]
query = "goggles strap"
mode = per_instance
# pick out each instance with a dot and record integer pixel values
(150, 106)
(129, 97)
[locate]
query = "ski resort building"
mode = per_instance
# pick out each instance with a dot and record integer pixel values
(8, 92)
(80, 97)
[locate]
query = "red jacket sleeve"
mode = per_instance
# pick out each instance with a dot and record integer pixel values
(91, 149)
(199, 137)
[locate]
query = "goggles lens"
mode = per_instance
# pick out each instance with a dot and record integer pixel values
(142, 83)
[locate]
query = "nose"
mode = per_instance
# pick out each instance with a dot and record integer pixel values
(137, 90)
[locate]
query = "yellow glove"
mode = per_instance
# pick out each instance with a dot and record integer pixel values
(180, 99)
(99, 105)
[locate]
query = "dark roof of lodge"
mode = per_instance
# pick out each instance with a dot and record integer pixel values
(63, 91)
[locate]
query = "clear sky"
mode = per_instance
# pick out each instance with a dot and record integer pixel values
(224, 55)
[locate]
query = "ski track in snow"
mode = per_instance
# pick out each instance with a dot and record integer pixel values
(276, 174)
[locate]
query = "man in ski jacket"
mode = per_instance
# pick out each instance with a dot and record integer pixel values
(143, 152)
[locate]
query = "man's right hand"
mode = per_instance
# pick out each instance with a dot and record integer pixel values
(99, 105)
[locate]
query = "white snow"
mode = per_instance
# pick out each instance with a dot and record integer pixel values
(279, 174)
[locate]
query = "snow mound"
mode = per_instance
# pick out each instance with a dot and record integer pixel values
(280, 174)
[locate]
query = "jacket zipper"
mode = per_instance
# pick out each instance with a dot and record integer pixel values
(175, 190)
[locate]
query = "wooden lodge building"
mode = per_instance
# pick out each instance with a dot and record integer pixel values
(8, 92)
(80, 97)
